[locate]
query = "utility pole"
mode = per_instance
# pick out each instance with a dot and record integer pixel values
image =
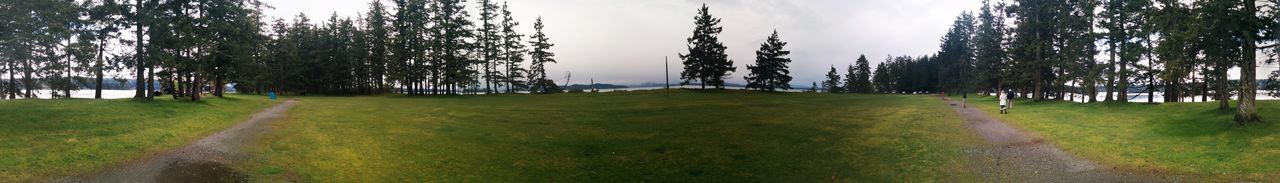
(666, 66)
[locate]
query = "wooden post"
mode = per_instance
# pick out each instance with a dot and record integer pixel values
(666, 66)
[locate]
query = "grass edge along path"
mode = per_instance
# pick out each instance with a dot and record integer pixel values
(47, 138)
(646, 136)
(1190, 140)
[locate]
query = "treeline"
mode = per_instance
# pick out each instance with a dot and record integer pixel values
(707, 64)
(1060, 50)
(194, 46)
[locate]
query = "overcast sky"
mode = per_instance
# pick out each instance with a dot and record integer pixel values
(624, 41)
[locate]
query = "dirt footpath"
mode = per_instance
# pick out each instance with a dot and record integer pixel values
(203, 161)
(1013, 156)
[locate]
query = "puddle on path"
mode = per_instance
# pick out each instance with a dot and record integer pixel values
(200, 172)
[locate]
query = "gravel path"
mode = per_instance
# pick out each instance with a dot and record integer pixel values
(1013, 156)
(202, 161)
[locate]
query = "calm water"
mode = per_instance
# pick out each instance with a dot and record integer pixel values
(1142, 97)
(688, 87)
(106, 94)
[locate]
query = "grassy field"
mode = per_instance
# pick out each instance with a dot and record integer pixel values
(647, 136)
(1189, 139)
(43, 138)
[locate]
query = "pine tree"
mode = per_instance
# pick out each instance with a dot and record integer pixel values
(1221, 45)
(850, 79)
(539, 56)
(452, 45)
(860, 81)
(512, 52)
(139, 18)
(1032, 44)
(490, 45)
(832, 84)
(770, 72)
(956, 55)
(989, 50)
(379, 42)
(410, 47)
(882, 80)
(108, 17)
(706, 61)
(1249, 27)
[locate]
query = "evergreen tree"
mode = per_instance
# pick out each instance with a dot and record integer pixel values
(379, 42)
(453, 45)
(512, 52)
(1174, 23)
(832, 84)
(137, 18)
(490, 45)
(850, 79)
(410, 63)
(956, 55)
(1221, 45)
(861, 77)
(706, 61)
(770, 72)
(539, 56)
(989, 49)
(882, 81)
(108, 18)
(1249, 27)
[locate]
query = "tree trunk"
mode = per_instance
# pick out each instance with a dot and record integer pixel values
(1204, 87)
(1222, 93)
(1151, 81)
(13, 83)
(97, 67)
(1038, 91)
(488, 88)
(1092, 91)
(1111, 75)
(151, 78)
(217, 86)
(196, 86)
(28, 83)
(1122, 93)
(1246, 110)
(138, 61)
(1062, 89)
(1151, 74)
(999, 89)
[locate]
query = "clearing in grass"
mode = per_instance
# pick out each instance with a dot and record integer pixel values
(625, 136)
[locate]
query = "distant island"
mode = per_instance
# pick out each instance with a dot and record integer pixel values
(596, 86)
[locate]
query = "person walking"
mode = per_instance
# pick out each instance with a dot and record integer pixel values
(1004, 104)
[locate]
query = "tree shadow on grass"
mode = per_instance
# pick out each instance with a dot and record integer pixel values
(440, 96)
(1205, 122)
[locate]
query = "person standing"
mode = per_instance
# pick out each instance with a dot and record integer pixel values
(271, 94)
(1004, 104)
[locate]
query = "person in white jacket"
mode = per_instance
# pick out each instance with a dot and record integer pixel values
(1004, 103)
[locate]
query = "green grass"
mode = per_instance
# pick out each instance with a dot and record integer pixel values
(44, 138)
(644, 136)
(1187, 139)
